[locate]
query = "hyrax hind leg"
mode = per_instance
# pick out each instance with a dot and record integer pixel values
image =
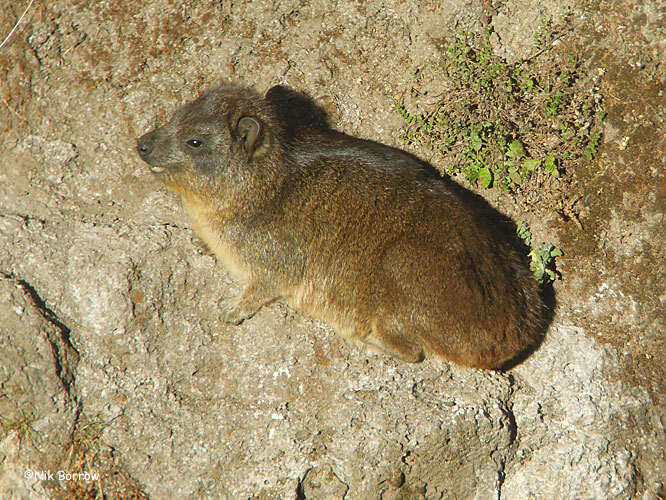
(235, 310)
(395, 342)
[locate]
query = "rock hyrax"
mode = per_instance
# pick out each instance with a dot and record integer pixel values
(363, 236)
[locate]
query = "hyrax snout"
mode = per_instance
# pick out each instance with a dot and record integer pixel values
(363, 236)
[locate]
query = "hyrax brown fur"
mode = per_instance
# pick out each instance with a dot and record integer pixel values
(363, 236)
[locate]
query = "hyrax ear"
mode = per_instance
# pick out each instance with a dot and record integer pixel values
(276, 93)
(249, 132)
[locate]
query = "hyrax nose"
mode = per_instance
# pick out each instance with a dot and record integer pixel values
(144, 145)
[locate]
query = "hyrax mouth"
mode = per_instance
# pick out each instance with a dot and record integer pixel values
(157, 170)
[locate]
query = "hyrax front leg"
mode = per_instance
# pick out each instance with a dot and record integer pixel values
(235, 310)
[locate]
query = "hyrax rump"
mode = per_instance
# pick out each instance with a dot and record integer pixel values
(363, 236)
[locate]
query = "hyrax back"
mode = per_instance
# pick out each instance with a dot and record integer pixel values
(358, 234)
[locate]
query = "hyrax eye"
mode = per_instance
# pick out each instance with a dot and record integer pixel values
(194, 143)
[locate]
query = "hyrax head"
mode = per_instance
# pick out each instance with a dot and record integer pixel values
(221, 139)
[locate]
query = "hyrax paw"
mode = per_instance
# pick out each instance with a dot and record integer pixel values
(231, 311)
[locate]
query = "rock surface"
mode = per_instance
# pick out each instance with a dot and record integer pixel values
(108, 306)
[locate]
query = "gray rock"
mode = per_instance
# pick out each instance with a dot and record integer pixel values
(108, 308)
(516, 24)
(38, 403)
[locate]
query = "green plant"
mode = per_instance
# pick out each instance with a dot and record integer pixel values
(553, 103)
(592, 145)
(425, 123)
(524, 127)
(543, 262)
(550, 167)
(544, 35)
(542, 256)
(524, 233)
